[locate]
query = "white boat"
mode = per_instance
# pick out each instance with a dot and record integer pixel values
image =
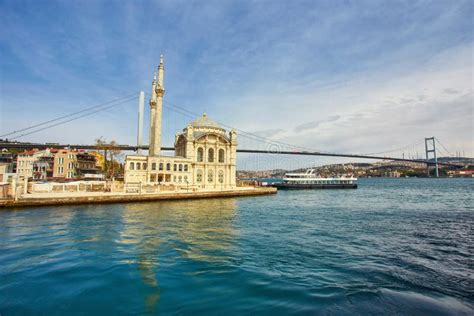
(310, 180)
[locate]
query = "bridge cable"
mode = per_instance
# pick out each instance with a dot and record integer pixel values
(66, 116)
(449, 153)
(250, 135)
(78, 117)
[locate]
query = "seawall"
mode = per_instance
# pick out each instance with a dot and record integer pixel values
(127, 198)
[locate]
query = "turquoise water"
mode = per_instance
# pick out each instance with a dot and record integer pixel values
(393, 246)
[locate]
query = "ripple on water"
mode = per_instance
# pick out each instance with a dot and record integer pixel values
(390, 247)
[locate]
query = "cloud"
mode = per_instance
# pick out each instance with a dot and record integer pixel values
(315, 124)
(333, 76)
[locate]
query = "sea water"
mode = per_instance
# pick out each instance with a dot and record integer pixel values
(392, 246)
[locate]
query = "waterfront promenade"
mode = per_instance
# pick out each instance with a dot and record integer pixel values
(62, 198)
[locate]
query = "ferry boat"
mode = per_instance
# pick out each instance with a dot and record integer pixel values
(309, 180)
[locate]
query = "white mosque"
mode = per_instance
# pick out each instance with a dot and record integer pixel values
(205, 153)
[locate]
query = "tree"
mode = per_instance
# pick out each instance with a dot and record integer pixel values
(110, 150)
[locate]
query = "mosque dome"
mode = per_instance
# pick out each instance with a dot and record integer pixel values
(204, 121)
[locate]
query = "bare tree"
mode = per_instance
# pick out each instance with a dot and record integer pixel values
(111, 152)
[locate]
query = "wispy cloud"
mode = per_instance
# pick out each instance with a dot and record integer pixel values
(334, 76)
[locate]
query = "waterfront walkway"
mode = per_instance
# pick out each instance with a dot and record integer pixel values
(62, 198)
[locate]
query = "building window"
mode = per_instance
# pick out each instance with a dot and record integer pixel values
(200, 154)
(199, 176)
(153, 166)
(174, 178)
(132, 166)
(161, 166)
(175, 166)
(144, 166)
(180, 179)
(185, 167)
(210, 155)
(221, 176)
(210, 176)
(221, 155)
(186, 179)
(180, 167)
(138, 165)
(168, 166)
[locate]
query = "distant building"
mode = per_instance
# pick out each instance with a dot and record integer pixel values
(461, 173)
(6, 172)
(26, 161)
(70, 163)
(43, 168)
(205, 153)
(99, 160)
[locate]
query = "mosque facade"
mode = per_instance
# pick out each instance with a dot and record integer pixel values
(204, 158)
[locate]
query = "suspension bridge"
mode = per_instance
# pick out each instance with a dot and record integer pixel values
(270, 146)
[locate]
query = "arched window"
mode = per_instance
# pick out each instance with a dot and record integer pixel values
(221, 155)
(175, 167)
(161, 166)
(153, 166)
(168, 166)
(180, 179)
(210, 176)
(220, 177)
(199, 176)
(185, 167)
(180, 167)
(138, 165)
(210, 155)
(200, 154)
(144, 166)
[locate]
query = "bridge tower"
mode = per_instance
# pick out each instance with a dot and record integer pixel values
(156, 109)
(430, 147)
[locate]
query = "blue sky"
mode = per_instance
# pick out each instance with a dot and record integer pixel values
(345, 76)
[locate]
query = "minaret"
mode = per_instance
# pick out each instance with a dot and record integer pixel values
(156, 108)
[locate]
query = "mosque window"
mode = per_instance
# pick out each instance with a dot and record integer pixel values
(210, 154)
(168, 166)
(200, 154)
(210, 176)
(185, 167)
(161, 166)
(221, 155)
(221, 176)
(153, 166)
(180, 167)
(199, 175)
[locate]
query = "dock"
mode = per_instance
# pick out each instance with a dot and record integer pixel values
(67, 198)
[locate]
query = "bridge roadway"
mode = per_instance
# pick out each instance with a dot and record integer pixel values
(250, 151)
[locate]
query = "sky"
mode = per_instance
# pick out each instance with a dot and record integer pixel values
(336, 76)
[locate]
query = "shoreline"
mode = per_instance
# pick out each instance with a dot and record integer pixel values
(108, 198)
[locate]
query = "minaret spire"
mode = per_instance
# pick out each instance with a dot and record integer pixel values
(161, 70)
(156, 106)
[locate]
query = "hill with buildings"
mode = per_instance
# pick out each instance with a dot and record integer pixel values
(393, 169)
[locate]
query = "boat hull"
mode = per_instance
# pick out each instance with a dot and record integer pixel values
(293, 186)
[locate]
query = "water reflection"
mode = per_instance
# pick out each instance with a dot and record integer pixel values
(166, 233)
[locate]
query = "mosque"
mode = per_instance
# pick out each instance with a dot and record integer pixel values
(205, 153)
